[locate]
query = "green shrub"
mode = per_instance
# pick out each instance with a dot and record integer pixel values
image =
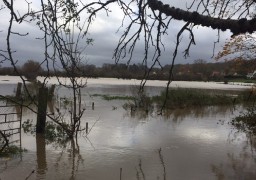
(11, 151)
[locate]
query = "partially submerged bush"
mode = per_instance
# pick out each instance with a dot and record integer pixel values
(53, 132)
(246, 121)
(11, 151)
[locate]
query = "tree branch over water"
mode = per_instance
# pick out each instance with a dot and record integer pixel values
(236, 26)
(146, 22)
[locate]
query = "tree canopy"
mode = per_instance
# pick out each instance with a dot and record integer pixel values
(31, 69)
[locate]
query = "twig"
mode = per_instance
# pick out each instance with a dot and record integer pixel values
(141, 170)
(162, 162)
(33, 171)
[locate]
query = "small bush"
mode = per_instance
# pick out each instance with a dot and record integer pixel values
(246, 121)
(11, 151)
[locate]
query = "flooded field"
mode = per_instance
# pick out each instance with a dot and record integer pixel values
(191, 143)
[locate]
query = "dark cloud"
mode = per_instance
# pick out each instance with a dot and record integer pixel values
(104, 33)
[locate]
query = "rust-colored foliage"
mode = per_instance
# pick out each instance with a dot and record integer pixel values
(242, 46)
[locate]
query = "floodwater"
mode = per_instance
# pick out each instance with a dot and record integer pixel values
(193, 143)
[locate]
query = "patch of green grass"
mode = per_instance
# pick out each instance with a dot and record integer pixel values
(110, 98)
(180, 98)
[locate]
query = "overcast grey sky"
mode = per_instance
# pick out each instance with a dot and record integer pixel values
(104, 33)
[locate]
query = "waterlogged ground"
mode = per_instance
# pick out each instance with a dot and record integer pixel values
(189, 144)
(7, 81)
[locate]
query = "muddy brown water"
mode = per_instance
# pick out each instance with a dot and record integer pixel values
(191, 143)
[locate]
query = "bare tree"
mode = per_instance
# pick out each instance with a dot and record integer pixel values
(63, 35)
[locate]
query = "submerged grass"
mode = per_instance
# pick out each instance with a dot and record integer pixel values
(192, 97)
(110, 98)
(181, 98)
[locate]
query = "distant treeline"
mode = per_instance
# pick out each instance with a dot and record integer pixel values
(198, 71)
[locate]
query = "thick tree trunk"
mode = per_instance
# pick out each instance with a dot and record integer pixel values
(238, 26)
(42, 107)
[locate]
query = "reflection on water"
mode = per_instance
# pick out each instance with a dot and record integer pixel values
(197, 112)
(70, 158)
(41, 156)
(179, 114)
(238, 166)
(191, 143)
